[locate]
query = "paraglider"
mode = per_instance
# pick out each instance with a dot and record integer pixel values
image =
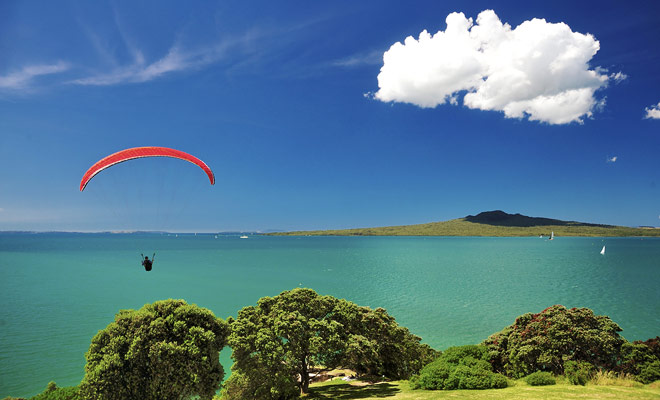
(141, 152)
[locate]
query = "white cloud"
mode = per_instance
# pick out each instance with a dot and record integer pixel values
(23, 79)
(612, 159)
(371, 58)
(618, 77)
(175, 60)
(538, 70)
(653, 112)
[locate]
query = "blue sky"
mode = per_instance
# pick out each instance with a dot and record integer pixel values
(313, 117)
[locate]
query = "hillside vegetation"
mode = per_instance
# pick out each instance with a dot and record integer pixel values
(491, 223)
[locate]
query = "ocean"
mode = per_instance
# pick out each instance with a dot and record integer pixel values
(59, 289)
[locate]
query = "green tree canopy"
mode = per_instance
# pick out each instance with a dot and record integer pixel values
(544, 341)
(276, 343)
(165, 350)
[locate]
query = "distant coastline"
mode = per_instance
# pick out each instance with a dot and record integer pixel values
(490, 223)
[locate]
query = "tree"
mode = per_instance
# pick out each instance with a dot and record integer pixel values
(640, 359)
(544, 341)
(275, 344)
(166, 350)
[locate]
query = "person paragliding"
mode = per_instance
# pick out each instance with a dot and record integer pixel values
(143, 152)
(147, 263)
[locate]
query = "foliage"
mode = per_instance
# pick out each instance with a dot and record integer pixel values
(275, 343)
(237, 387)
(578, 372)
(53, 392)
(57, 393)
(545, 341)
(165, 350)
(640, 359)
(653, 344)
(540, 378)
(650, 372)
(462, 367)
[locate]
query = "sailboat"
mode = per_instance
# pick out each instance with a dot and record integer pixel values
(552, 235)
(603, 251)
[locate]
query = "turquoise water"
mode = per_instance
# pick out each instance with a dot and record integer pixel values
(58, 290)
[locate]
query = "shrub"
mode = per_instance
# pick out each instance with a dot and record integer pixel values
(640, 359)
(53, 392)
(578, 372)
(540, 378)
(432, 377)
(653, 344)
(649, 373)
(461, 367)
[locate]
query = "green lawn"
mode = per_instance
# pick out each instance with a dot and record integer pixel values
(399, 390)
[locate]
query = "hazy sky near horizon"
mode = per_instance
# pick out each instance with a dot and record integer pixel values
(323, 115)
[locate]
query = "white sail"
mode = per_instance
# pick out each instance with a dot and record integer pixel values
(603, 251)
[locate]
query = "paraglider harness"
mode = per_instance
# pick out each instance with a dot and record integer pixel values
(147, 263)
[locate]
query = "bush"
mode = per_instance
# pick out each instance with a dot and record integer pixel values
(578, 372)
(649, 373)
(432, 377)
(540, 378)
(53, 392)
(640, 359)
(461, 367)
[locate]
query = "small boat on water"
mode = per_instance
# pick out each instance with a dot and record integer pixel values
(603, 251)
(552, 236)
(244, 237)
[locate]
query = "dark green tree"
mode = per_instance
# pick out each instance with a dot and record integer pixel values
(544, 341)
(276, 343)
(168, 350)
(640, 359)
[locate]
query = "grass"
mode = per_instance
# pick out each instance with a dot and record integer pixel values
(399, 390)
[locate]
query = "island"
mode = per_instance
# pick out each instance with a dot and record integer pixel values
(490, 223)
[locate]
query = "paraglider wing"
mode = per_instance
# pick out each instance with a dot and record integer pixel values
(141, 152)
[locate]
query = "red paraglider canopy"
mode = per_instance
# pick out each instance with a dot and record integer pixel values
(141, 152)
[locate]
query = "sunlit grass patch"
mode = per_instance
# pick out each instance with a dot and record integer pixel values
(518, 390)
(609, 378)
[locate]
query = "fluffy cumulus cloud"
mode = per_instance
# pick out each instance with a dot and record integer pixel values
(539, 70)
(653, 112)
